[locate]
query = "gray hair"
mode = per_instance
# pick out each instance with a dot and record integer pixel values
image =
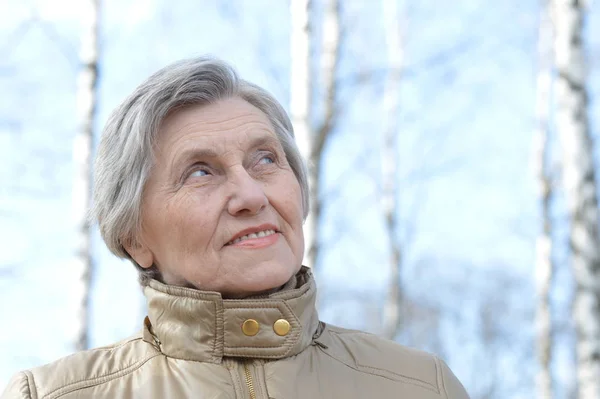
(125, 154)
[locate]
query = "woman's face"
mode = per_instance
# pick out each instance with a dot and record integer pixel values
(222, 209)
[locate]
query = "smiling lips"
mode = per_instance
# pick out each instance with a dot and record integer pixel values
(259, 237)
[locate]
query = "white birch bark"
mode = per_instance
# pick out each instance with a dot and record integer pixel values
(544, 269)
(312, 141)
(391, 101)
(579, 180)
(300, 101)
(329, 65)
(82, 150)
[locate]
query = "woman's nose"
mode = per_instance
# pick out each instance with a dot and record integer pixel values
(247, 195)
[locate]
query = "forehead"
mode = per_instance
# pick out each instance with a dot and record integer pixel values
(229, 115)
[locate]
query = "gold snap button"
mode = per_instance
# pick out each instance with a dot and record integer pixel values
(250, 327)
(281, 327)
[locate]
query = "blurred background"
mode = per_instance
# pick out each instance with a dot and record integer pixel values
(451, 150)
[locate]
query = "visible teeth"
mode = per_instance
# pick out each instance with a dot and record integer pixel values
(263, 233)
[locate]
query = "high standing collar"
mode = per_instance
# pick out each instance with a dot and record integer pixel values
(198, 325)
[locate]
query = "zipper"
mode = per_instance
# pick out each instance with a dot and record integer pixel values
(249, 382)
(316, 336)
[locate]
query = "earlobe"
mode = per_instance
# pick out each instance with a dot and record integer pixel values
(140, 253)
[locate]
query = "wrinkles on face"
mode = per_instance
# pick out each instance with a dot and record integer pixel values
(192, 141)
(188, 222)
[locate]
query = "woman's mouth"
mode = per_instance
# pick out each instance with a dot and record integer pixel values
(260, 239)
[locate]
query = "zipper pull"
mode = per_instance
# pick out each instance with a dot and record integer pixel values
(316, 336)
(319, 344)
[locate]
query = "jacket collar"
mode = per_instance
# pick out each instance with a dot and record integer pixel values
(198, 325)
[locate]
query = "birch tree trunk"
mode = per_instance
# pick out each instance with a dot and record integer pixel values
(312, 141)
(82, 150)
(580, 189)
(330, 50)
(543, 260)
(300, 104)
(393, 303)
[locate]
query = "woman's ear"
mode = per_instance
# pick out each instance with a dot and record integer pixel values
(139, 252)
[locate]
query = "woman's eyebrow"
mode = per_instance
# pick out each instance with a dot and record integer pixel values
(263, 140)
(186, 156)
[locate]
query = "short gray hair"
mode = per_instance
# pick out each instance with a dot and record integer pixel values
(125, 154)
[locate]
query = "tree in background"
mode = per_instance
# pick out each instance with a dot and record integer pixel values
(391, 102)
(544, 267)
(311, 140)
(579, 179)
(82, 150)
(301, 94)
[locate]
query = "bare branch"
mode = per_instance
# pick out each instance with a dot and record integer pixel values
(437, 60)
(66, 49)
(15, 38)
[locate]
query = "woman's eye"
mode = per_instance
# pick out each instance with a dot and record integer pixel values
(267, 159)
(199, 173)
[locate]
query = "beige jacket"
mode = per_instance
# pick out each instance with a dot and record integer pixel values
(197, 345)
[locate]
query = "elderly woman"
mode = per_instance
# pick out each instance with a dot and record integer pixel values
(200, 184)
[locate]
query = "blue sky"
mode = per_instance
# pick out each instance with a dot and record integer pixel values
(465, 134)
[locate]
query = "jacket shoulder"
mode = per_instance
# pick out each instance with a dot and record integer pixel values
(81, 370)
(20, 386)
(372, 354)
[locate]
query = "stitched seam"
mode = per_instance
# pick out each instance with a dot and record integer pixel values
(245, 355)
(437, 376)
(260, 377)
(352, 332)
(407, 380)
(289, 295)
(74, 386)
(442, 375)
(31, 385)
(235, 381)
(256, 347)
(235, 351)
(252, 304)
(168, 290)
(216, 330)
(216, 360)
(218, 333)
(399, 375)
(391, 372)
(109, 348)
(125, 367)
